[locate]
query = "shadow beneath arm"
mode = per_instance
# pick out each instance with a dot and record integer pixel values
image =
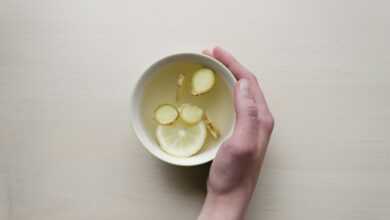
(186, 179)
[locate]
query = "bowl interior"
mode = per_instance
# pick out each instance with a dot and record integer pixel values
(147, 140)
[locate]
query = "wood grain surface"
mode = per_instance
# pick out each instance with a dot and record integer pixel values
(67, 68)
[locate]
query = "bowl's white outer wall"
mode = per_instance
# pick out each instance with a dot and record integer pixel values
(135, 108)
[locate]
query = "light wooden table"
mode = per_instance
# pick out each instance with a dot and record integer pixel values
(67, 69)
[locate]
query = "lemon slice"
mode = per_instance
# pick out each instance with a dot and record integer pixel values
(203, 81)
(180, 139)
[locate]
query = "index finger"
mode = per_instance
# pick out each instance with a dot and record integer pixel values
(239, 71)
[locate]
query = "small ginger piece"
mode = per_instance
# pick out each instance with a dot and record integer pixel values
(211, 127)
(179, 86)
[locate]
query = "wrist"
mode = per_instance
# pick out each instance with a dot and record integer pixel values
(229, 206)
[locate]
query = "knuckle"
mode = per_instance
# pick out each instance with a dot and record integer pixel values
(240, 150)
(252, 110)
(267, 122)
(252, 77)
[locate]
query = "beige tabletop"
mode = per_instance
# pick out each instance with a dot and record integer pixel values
(67, 150)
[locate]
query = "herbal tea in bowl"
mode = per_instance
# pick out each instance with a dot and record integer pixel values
(182, 108)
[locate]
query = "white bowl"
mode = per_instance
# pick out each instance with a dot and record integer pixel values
(136, 117)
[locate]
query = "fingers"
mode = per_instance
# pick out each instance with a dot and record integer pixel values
(246, 129)
(231, 63)
(240, 72)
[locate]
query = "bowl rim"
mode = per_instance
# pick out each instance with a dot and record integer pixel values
(134, 101)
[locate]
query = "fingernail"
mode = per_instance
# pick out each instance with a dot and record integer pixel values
(244, 87)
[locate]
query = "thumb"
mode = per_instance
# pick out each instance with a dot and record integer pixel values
(246, 129)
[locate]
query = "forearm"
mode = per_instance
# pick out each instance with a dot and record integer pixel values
(227, 207)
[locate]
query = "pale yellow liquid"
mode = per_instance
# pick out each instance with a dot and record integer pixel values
(161, 89)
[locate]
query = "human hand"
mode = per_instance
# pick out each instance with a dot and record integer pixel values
(236, 167)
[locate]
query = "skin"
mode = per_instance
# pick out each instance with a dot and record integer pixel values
(235, 170)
